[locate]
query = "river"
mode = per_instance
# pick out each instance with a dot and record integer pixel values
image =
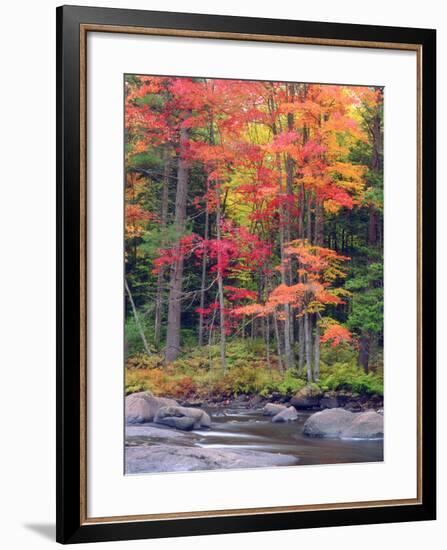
(242, 430)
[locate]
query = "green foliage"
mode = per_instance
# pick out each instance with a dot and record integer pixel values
(291, 383)
(367, 301)
(144, 361)
(348, 376)
(343, 353)
(198, 373)
(133, 339)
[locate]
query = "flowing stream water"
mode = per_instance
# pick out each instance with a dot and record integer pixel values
(242, 428)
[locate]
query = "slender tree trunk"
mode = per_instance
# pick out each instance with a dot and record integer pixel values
(137, 318)
(317, 349)
(163, 223)
(319, 234)
(287, 346)
(290, 176)
(223, 359)
(301, 344)
(364, 351)
(176, 278)
(267, 340)
(309, 217)
(319, 237)
(278, 341)
(301, 201)
(308, 346)
(203, 281)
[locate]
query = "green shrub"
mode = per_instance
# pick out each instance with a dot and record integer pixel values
(144, 361)
(291, 383)
(349, 376)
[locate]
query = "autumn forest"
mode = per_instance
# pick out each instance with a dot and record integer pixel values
(253, 237)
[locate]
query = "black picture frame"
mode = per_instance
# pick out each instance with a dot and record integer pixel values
(71, 527)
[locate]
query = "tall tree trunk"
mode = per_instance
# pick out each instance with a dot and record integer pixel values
(308, 224)
(176, 277)
(137, 318)
(319, 237)
(203, 280)
(223, 359)
(287, 345)
(278, 341)
(267, 340)
(308, 346)
(364, 351)
(163, 223)
(290, 176)
(317, 348)
(301, 344)
(319, 233)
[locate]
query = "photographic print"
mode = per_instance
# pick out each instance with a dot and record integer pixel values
(253, 274)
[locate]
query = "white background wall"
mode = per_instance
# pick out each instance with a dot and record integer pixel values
(27, 299)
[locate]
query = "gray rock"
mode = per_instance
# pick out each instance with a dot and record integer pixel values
(344, 424)
(155, 433)
(272, 409)
(171, 458)
(328, 423)
(365, 425)
(287, 415)
(173, 416)
(307, 398)
(143, 406)
(179, 422)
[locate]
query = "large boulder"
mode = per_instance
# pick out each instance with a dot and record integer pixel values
(307, 398)
(287, 415)
(179, 458)
(344, 424)
(365, 425)
(328, 423)
(183, 418)
(272, 409)
(143, 406)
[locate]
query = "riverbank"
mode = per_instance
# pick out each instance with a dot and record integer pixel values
(194, 378)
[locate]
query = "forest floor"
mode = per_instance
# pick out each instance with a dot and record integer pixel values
(196, 377)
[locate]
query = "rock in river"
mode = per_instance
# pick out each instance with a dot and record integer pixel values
(365, 425)
(272, 409)
(171, 458)
(328, 423)
(183, 418)
(344, 424)
(143, 406)
(286, 415)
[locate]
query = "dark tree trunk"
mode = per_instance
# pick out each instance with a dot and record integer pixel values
(223, 359)
(301, 344)
(364, 351)
(308, 346)
(203, 281)
(176, 278)
(317, 349)
(163, 223)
